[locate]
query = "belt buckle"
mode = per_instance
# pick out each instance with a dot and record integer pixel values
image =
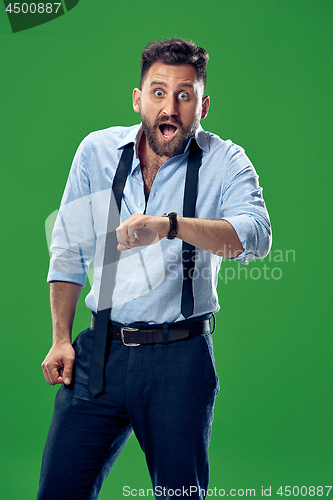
(123, 337)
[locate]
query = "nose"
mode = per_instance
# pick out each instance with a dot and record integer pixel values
(170, 106)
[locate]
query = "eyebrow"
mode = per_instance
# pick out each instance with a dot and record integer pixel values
(163, 84)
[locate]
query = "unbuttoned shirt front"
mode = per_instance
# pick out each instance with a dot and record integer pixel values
(148, 280)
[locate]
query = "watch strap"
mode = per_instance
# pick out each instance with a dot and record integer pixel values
(173, 225)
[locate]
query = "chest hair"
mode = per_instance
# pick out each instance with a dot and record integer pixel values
(149, 170)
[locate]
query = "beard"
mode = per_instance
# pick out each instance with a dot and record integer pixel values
(178, 144)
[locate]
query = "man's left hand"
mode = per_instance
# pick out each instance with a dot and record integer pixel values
(142, 230)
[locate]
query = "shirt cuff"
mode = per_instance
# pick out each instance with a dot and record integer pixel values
(54, 275)
(254, 239)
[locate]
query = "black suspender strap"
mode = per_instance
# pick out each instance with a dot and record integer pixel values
(119, 180)
(96, 376)
(188, 251)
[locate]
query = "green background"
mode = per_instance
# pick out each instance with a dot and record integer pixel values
(270, 82)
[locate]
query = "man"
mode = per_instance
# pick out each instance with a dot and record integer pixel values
(186, 199)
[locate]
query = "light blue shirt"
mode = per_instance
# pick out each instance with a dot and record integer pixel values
(148, 280)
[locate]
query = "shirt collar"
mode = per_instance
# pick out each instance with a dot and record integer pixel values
(131, 136)
(135, 133)
(202, 140)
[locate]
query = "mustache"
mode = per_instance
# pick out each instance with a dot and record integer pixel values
(166, 118)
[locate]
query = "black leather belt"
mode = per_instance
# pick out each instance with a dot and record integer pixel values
(131, 336)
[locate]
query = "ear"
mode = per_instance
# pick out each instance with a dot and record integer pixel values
(136, 100)
(205, 106)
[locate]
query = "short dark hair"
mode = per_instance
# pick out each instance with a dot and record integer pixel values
(174, 51)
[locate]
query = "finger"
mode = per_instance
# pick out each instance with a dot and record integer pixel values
(51, 372)
(45, 373)
(57, 368)
(131, 233)
(122, 236)
(67, 371)
(121, 247)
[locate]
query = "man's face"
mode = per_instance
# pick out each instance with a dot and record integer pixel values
(171, 104)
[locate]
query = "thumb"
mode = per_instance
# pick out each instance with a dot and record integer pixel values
(67, 371)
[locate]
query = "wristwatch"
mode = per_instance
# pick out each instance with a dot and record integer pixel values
(173, 225)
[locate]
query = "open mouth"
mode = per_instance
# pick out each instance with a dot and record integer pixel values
(168, 131)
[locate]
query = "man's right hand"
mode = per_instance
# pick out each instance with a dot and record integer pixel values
(58, 364)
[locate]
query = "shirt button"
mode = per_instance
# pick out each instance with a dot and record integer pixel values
(133, 297)
(142, 263)
(155, 195)
(139, 204)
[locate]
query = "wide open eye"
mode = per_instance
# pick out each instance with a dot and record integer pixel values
(159, 93)
(183, 95)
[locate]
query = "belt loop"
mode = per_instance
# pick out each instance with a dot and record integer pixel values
(213, 316)
(165, 333)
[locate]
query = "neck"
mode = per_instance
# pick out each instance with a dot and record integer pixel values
(147, 155)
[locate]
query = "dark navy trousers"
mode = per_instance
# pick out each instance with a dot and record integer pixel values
(164, 393)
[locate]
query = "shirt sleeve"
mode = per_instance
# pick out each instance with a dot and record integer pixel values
(73, 237)
(243, 206)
